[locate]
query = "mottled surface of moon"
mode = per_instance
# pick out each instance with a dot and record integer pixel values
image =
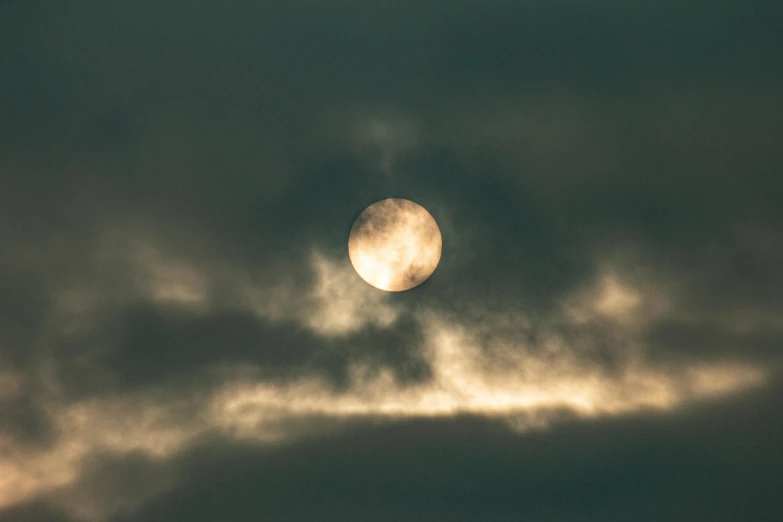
(395, 244)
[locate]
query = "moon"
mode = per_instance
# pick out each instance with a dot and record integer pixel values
(395, 245)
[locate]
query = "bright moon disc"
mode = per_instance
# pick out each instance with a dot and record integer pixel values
(395, 244)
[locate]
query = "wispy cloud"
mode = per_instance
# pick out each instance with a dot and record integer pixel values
(526, 384)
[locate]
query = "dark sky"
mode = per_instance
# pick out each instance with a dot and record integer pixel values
(182, 335)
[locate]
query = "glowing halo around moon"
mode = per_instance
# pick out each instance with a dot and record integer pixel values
(395, 245)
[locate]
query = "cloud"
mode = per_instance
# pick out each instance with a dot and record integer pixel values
(178, 187)
(485, 365)
(526, 326)
(10, 385)
(641, 466)
(343, 302)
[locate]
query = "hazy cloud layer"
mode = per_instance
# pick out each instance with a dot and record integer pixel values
(182, 335)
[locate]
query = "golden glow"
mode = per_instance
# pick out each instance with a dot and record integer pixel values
(527, 389)
(395, 245)
(480, 363)
(342, 304)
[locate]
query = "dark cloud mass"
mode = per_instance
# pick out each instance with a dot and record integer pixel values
(182, 335)
(639, 469)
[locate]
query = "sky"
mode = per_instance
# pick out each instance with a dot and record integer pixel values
(182, 334)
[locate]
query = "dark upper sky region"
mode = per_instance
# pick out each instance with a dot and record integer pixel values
(182, 336)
